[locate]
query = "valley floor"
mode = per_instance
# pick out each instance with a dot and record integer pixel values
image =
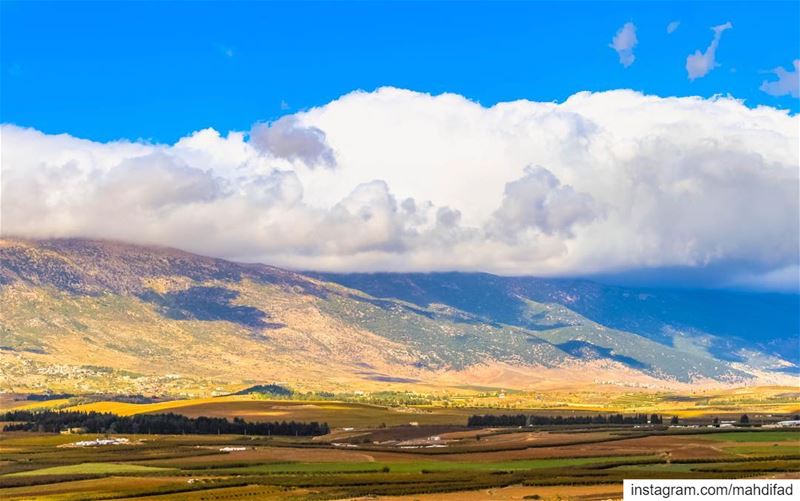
(365, 458)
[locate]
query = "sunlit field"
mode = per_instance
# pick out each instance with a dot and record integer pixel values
(452, 408)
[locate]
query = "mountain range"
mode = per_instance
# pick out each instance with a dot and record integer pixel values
(83, 315)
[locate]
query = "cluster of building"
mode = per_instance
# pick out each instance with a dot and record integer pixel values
(100, 441)
(794, 423)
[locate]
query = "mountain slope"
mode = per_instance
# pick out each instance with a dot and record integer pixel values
(83, 315)
(727, 322)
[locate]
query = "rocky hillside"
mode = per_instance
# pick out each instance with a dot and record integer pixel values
(84, 316)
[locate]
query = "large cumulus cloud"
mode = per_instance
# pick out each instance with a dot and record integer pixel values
(601, 183)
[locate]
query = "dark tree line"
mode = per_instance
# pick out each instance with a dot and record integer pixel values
(267, 389)
(158, 424)
(523, 420)
(48, 396)
(498, 420)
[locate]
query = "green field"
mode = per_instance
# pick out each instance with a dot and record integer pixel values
(429, 466)
(756, 436)
(766, 450)
(91, 469)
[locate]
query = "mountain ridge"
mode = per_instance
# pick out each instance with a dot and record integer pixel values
(168, 320)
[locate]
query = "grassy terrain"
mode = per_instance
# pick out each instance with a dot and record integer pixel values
(453, 411)
(47, 404)
(428, 466)
(337, 414)
(754, 436)
(129, 409)
(766, 450)
(90, 469)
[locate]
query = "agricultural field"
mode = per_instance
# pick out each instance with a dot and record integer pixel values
(368, 454)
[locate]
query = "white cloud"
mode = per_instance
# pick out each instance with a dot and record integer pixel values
(624, 42)
(788, 82)
(671, 27)
(700, 64)
(602, 182)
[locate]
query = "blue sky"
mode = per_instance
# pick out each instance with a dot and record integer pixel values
(636, 180)
(158, 71)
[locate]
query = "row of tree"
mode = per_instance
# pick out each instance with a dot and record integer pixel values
(493, 420)
(158, 424)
